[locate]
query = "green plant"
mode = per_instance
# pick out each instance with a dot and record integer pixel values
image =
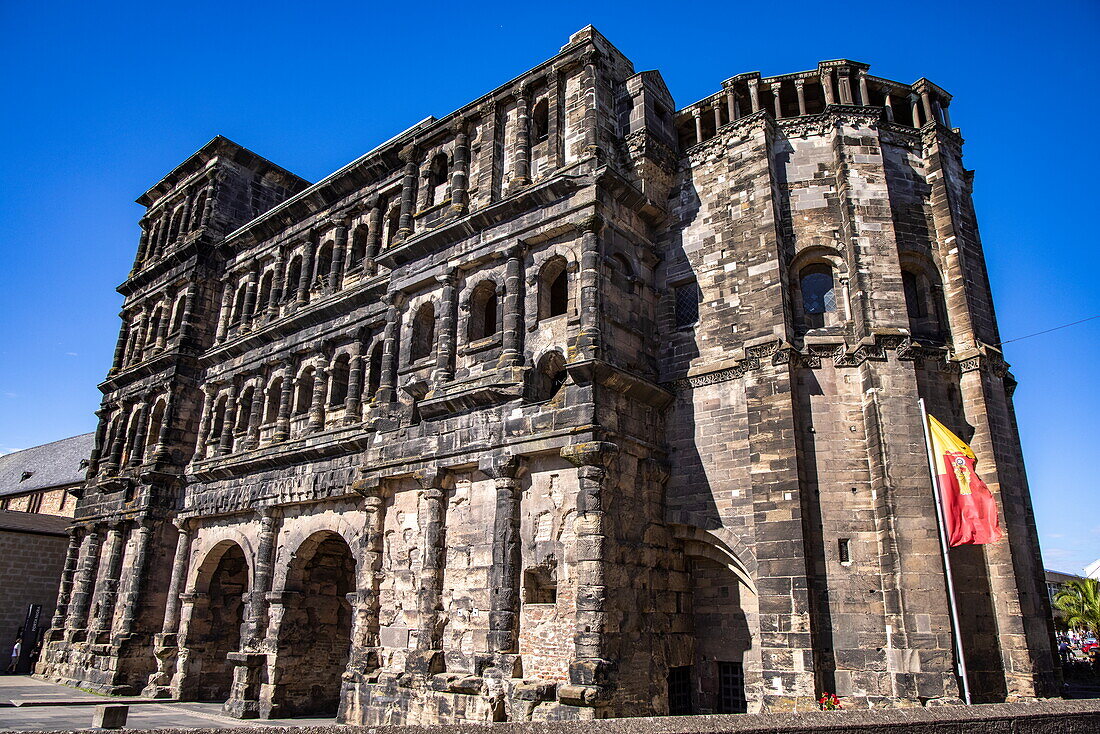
(1080, 602)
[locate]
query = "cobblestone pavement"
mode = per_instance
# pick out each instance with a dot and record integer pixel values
(60, 707)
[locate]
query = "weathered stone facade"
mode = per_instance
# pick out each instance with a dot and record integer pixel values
(567, 405)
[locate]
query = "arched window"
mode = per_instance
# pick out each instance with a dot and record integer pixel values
(274, 398)
(244, 409)
(154, 327)
(338, 381)
(540, 121)
(687, 304)
(914, 303)
(923, 303)
(553, 288)
(548, 377)
(374, 371)
(622, 273)
(197, 209)
(423, 332)
(217, 425)
(483, 311)
(393, 222)
(238, 304)
(266, 284)
(358, 245)
(156, 420)
(818, 294)
(304, 398)
(177, 316)
(324, 260)
(437, 179)
(293, 277)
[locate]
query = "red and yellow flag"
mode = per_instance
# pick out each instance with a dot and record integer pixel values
(968, 505)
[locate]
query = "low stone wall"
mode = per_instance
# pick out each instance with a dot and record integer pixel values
(1044, 717)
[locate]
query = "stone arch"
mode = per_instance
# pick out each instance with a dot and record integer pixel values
(219, 587)
(484, 311)
(314, 633)
(553, 288)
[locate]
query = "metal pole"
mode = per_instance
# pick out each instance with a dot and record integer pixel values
(941, 523)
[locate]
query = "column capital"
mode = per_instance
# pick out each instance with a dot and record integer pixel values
(591, 223)
(503, 465)
(799, 83)
(432, 477)
(590, 453)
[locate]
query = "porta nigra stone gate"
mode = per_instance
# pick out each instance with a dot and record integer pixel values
(568, 405)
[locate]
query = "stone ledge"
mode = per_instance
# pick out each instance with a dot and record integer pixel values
(1040, 717)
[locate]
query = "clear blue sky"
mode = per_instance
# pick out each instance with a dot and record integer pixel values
(103, 99)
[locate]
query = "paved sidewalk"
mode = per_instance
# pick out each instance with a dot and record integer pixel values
(48, 706)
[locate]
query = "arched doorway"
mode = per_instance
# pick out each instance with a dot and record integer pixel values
(711, 679)
(214, 630)
(315, 632)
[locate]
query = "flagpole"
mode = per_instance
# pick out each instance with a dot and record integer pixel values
(941, 524)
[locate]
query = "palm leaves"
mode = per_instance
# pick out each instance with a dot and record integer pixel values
(1080, 602)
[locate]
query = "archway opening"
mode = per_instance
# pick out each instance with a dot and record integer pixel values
(215, 628)
(315, 633)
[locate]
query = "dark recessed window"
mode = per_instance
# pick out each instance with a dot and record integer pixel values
(687, 304)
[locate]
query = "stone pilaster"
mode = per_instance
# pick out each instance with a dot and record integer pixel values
(445, 352)
(522, 150)
(317, 405)
(408, 193)
(460, 170)
(108, 583)
(65, 588)
(428, 656)
(590, 338)
(354, 401)
(339, 254)
(282, 422)
(306, 275)
(225, 442)
(85, 583)
(137, 564)
(137, 450)
(387, 386)
(277, 279)
(504, 580)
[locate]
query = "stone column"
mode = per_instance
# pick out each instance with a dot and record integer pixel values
(225, 442)
(698, 115)
(776, 88)
(282, 422)
(522, 151)
(368, 602)
(277, 284)
(226, 310)
(307, 274)
(250, 293)
(108, 585)
(162, 451)
(166, 643)
(926, 105)
(209, 391)
(374, 232)
(460, 170)
(889, 106)
(143, 244)
(137, 451)
(592, 644)
(137, 329)
(137, 564)
(827, 86)
(208, 204)
(387, 384)
(592, 104)
(65, 589)
(353, 403)
(118, 439)
(590, 338)
(800, 90)
(339, 254)
(161, 337)
(731, 103)
(187, 323)
(914, 106)
(408, 192)
(317, 406)
(504, 579)
(754, 94)
(100, 437)
(864, 94)
(256, 614)
(120, 345)
(445, 354)
(429, 642)
(85, 581)
(512, 339)
(553, 129)
(185, 219)
(254, 417)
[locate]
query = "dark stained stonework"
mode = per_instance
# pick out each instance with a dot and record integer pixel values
(566, 406)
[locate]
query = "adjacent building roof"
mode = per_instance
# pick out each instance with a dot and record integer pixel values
(56, 464)
(32, 522)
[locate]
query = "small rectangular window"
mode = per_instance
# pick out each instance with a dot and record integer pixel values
(845, 551)
(687, 304)
(679, 691)
(731, 688)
